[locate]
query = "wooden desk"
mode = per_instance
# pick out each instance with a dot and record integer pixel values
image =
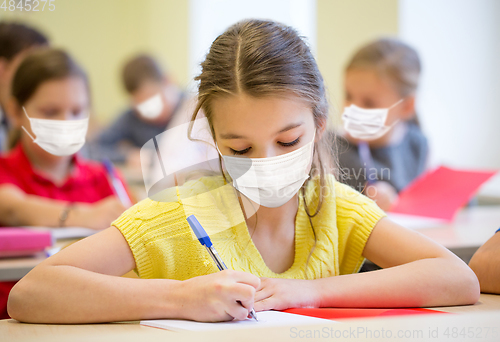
(489, 193)
(12, 269)
(471, 229)
(483, 317)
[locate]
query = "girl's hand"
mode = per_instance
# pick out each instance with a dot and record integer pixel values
(281, 294)
(219, 296)
(98, 215)
(383, 193)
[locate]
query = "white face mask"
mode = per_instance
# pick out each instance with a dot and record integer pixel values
(151, 108)
(273, 181)
(59, 137)
(366, 124)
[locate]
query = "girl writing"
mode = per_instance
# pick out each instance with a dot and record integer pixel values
(265, 101)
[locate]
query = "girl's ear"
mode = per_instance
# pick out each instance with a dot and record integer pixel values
(408, 108)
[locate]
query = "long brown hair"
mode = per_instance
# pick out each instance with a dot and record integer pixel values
(38, 67)
(265, 58)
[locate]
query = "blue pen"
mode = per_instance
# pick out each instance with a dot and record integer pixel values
(204, 239)
(117, 184)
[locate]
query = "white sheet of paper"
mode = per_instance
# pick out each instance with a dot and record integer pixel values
(266, 319)
(415, 222)
(67, 232)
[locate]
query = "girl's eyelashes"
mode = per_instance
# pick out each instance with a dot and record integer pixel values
(369, 103)
(292, 143)
(288, 144)
(78, 112)
(50, 113)
(240, 151)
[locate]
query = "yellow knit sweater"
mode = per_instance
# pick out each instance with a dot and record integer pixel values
(164, 246)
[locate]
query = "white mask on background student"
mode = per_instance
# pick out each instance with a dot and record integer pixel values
(59, 137)
(151, 108)
(273, 181)
(366, 124)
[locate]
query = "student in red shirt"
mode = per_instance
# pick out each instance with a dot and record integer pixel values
(42, 181)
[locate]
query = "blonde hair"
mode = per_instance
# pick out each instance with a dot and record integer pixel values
(392, 58)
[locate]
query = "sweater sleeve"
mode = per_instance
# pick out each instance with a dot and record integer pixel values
(159, 236)
(145, 223)
(357, 215)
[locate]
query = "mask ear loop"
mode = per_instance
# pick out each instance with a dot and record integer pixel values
(221, 159)
(24, 109)
(394, 105)
(391, 107)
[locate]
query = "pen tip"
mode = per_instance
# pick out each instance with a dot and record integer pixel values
(253, 315)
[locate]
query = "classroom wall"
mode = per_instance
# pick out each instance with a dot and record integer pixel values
(459, 42)
(458, 102)
(207, 21)
(344, 26)
(102, 34)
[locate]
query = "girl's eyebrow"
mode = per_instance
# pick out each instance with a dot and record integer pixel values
(291, 126)
(236, 136)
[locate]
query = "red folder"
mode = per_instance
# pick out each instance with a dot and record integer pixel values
(440, 193)
(21, 241)
(338, 314)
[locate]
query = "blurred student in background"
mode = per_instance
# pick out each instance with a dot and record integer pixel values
(383, 148)
(15, 41)
(155, 101)
(44, 182)
(486, 264)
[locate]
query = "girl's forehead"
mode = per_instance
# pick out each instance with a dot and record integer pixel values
(235, 108)
(368, 80)
(240, 114)
(62, 90)
(364, 75)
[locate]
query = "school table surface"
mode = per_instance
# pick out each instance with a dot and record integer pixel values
(479, 322)
(471, 228)
(12, 269)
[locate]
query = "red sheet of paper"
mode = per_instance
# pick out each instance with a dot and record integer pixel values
(341, 313)
(440, 193)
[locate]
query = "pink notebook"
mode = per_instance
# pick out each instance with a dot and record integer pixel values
(440, 193)
(22, 241)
